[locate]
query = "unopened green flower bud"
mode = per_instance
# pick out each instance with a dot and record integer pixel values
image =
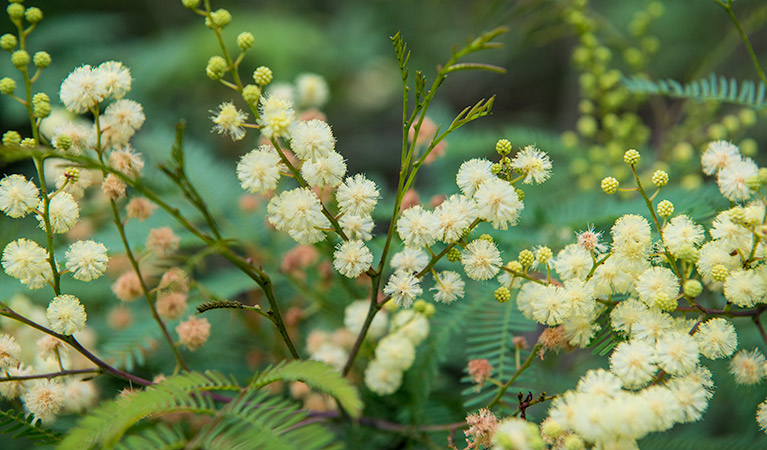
(8, 41)
(20, 58)
(453, 255)
(486, 237)
(11, 138)
(429, 310)
(502, 294)
(551, 429)
(63, 142)
(520, 193)
(33, 14)
(719, 272)
(543, 255)
(15, 11)
(688, 253)
(747, 117)
(41, 59)
(40, 97)
(737, 214)
(763, 174)
(216, 67)
(245, 40)
(749, 147)
(496, 168)
(692, 288)
(41, 110)
(664, 302)
(221, 17)
(390, 306)
(660, 178)
(526, 258)
(191, 4)
(610, 185)
(717, 131)
(503, 147)
(574, 442)
(631, 157)
(7, 86)
(262, 76)
(514, 266)
(731, 123)
(665, 208)
(420, 305)
(586, 126)
(72, 174)
(28, 143)
(251, 93)
(753, 183)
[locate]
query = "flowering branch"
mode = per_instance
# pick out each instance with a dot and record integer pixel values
(63, 373)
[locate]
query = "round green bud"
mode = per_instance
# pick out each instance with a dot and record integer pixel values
(716, 131)
(390, 306)
(737, 214)
(763, 174)
(41, 110)
(753, 183)
(216, 67)
(72, 174)
(191, 4)
(660, 178)
(731, 122)
(586, 107)
(581, 56)
(262, 76)
(7, 86)
(28, 143)
(749, 147)
(569, 139)
(631, 157)
(543, 255)
(664, 302)
(665, 208)
(688, 253)
(63, 142)
(526, 258)
(11, 138)
(245, 40)
(692, 288)
(20, 58)
(486, 237)
(453, 255)
(33, 14)
(633, 57)
(502, 294)
(719, 272)
(514, 266)
(41, 59)
(503, 147)
(15, 11)
(41, 97)
(610, 185)
(683, 151)
(747, 117)
(587, 126)
(551, 429)
(603, 54)
(650, 44)
(251, 93)
(520, 193)
(429, 310)
(221, 17)
(420, 305)
(8, 41)
(573, 442)
(505, 161)
(496, 168)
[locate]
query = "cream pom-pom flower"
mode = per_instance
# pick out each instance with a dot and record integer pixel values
(352, 258)
(472, 174)
(357, 195)
(277, 116)
(66, 315)
(481, 259)
(403, 288)
(87, 260)
(716, 338)
(63, 212)
(259, 170)
(18, 196)
(498, 202)
(448, 287)
(533, 163)
(327, 170)
(417, 227)
(312, 139)
(382, 378)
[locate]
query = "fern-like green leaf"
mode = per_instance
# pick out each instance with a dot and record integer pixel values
(160, 437)
(19, 425)
(747, 93)
(110, 421)
(255, 420)
(317, 375)
(491, 338)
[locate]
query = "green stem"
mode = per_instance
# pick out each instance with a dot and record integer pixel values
(516, 375)
(744, 37)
